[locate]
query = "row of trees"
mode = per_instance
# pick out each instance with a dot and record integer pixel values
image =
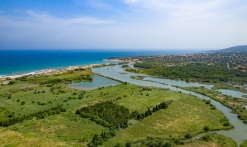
(140, 116)
(39, 115)
(109, 114)
(112, 116)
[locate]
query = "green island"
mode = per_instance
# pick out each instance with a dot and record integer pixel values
(43, 110)
(138, 77)
(223, 85)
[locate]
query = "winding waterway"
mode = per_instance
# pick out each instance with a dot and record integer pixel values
(238, 133)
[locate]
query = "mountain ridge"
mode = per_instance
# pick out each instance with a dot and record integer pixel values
(239, 48)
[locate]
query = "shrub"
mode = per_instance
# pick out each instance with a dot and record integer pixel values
(226, 124)
(188, 136)
(206, 128)
(208, 102)
(168, 144)
(120, 144)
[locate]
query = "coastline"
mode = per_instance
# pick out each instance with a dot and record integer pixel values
(4, 79)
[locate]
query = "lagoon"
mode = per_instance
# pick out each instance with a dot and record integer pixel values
(98, 81)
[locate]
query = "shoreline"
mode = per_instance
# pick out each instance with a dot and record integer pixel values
(51, 71)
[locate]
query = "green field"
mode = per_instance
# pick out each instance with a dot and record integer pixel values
(231, 102)
(207, 140)
(185, 115)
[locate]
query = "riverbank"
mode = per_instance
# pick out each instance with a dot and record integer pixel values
(238, 133)
(235, 104)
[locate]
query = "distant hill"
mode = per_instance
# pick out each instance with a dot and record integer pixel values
(241, 48)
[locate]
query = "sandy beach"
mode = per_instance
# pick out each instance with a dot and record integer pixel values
(5, 79)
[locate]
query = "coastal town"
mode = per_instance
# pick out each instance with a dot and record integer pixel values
(237, 60)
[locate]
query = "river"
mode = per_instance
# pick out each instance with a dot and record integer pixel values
(238, 133)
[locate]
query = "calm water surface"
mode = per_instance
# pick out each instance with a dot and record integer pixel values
(98, 81)
(232, 93)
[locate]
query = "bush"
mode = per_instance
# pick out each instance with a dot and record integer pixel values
(11, 82)
(208, 102)
(213, 107)
(22, 103)
(120, 144)
(206, 128)
(169, 144)
(187, 136)
(206, 137)
(226, 124)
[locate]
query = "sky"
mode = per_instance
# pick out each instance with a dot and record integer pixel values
(122, 24)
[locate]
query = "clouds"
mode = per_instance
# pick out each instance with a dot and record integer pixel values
(41, 30)
(189, 9)
(191, 24)
(128, 24)
(46, 18)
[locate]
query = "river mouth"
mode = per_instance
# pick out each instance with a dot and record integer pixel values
(238, 133)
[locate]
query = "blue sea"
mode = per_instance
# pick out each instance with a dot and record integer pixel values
(16, 62)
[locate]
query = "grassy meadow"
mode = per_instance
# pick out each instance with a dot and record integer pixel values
(236, 104)
(185, 116)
